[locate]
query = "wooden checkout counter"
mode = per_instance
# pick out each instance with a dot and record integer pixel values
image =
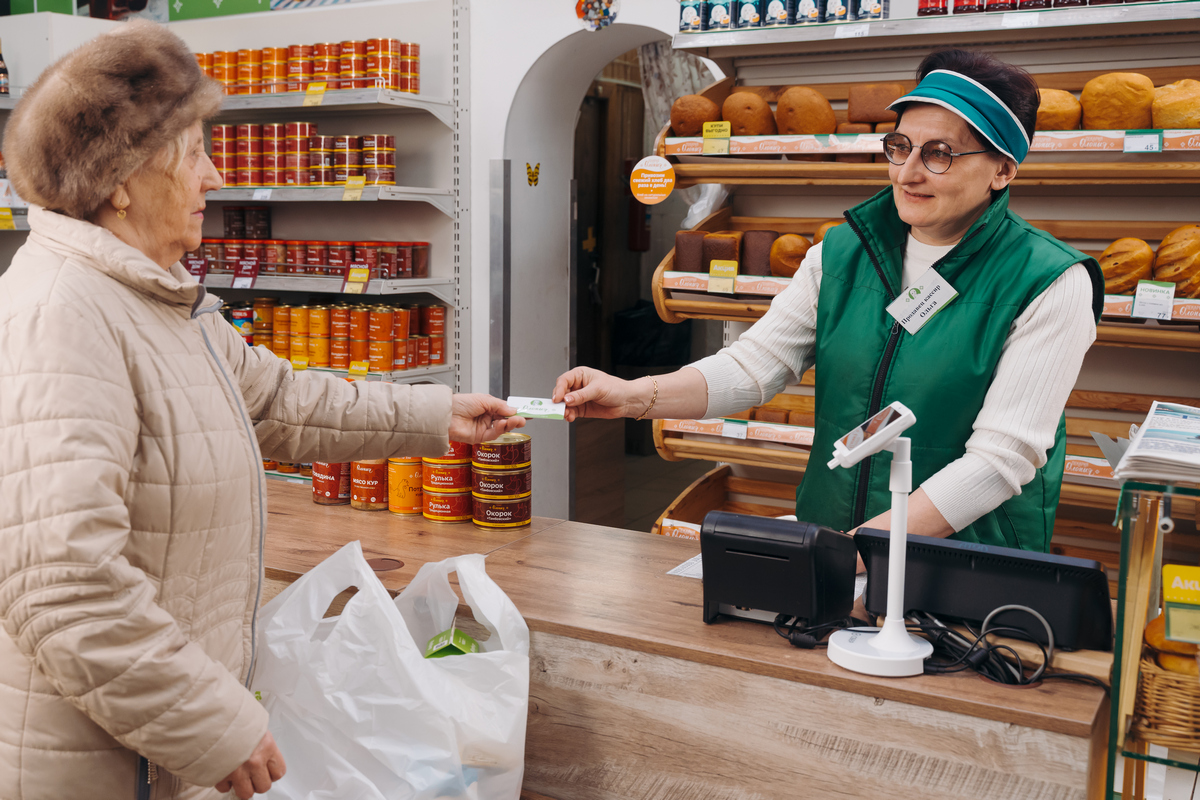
(633, 696)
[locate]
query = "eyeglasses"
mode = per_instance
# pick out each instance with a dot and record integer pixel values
(936, 156)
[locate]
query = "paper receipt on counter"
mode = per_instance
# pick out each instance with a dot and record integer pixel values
(537, 408)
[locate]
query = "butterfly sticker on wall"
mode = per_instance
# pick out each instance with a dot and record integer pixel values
(532, 172)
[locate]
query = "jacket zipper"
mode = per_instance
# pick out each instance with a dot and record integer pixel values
(147, 773)
(889, 352)
(262, 522)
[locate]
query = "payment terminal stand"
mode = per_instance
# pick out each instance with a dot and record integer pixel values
(890, 651)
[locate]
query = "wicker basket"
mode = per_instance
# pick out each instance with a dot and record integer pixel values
(1167, 711)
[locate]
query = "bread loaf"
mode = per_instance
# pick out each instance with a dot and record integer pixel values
(1156, 637)
(1178, 260)
(1058, 111)
(1124, 263)
(748, 114)
(868, 102)
(1182, 664)
(824, 229)
(855, 158)
(803, 110)
(801, 418)
(721, 246)
(768, 414)
(689, 251)
(756, 252)
(1177, 105)
(1117, 101)
(787, 253)
(690, 112)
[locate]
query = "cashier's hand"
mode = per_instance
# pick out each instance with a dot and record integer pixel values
(591, 393)
(264, 766)
(478, 418)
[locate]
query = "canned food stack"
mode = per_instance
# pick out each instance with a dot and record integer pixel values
(446, 485)
(352, 64)
(249, 155)
(297, 144)
(224, 152)
(502, 482)
(264, 321)
(331, 483)
(299, 325)
(281, 331)
(369, 484)
(379, 159)
(319, 328)
(347, 159)
(380, 338)
(320, 160)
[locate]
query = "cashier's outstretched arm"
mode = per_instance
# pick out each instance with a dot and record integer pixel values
(588, 392)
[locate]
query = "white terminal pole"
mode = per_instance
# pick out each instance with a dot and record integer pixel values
(890, 651)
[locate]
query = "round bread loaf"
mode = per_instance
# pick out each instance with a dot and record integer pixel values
(824, 229)
(1156, 637)
(804, 110)
(1177, 105)
(1124, 263)
(1182, 664)
(690, 112)
(1178, 260)
(1117, 101)
(787, 253)
(748, 114)
(1058, 111)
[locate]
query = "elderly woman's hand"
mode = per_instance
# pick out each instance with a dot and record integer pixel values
(264, 767)
(480, 418)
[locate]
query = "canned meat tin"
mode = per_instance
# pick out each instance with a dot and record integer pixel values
(445, 477)
(489, 512)
(510, 451)
(459, 453)
(447, 506)
(331, 483)
(368, 485)
(404, 486)
(501, 483)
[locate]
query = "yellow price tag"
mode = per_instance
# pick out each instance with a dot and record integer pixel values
(354, 188)
(716, 138)
(300, 363)
(718, 130)
(721, 276)
(6, 220)
(314, 94)
(353, 287)
(358, 369)
(359, 274)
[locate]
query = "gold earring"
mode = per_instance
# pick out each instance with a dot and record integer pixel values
(120, 213)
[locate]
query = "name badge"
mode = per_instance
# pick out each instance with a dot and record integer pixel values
(917, 304)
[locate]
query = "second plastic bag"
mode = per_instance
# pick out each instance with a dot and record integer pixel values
(359, 712)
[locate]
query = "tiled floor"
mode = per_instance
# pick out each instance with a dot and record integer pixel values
(651, 484)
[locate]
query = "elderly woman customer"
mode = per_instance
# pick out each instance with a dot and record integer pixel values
(133, 423)
(987, 376)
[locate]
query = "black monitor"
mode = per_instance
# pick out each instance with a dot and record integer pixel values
(965, 582)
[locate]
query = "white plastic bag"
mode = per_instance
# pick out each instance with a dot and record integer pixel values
(359, 712)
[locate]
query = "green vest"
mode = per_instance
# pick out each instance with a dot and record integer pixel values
(865, 360)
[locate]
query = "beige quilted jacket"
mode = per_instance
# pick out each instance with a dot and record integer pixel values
(132, 513)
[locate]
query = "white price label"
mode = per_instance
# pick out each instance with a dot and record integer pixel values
(246, 282)
(734, 428)
(262, 194)
(1143, 142)
(1020, 19)
(852, 31)
(1154, 300)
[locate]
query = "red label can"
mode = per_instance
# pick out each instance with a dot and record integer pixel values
(447, 506)
(331, 483)
(489, 512)
(368, 485)
(445, 477)
(511, 451)
(502, 483)
(433, 321)
(339, 321)
(437, 350)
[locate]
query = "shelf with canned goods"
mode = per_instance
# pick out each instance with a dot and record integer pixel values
(681, 294)
(438, 373)
(441, 199)
(340, 101)
(441, 288)
(1087, 22)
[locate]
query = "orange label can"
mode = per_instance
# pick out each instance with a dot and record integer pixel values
(318, 351)
(380, 323)
(339, 353)
(380, 355)
(359, 322)
(339, 321)
(299, 320)
(359, 350)
(404, 486)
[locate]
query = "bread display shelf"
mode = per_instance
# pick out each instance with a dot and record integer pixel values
(833, 144)
(790, 173)
(1120, 306)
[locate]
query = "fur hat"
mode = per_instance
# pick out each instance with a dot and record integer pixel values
(97, 114)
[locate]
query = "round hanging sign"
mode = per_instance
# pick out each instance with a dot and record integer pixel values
(653, 180)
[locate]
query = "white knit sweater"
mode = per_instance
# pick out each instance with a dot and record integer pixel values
(1019, 418)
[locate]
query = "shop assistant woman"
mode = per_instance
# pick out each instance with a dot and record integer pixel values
(987, 376)
(133, 422)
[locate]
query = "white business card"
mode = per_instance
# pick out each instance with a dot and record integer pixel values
(537, 408)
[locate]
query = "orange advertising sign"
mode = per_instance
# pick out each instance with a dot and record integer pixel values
(653, 180)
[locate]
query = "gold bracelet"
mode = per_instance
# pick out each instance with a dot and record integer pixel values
(653, 400)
